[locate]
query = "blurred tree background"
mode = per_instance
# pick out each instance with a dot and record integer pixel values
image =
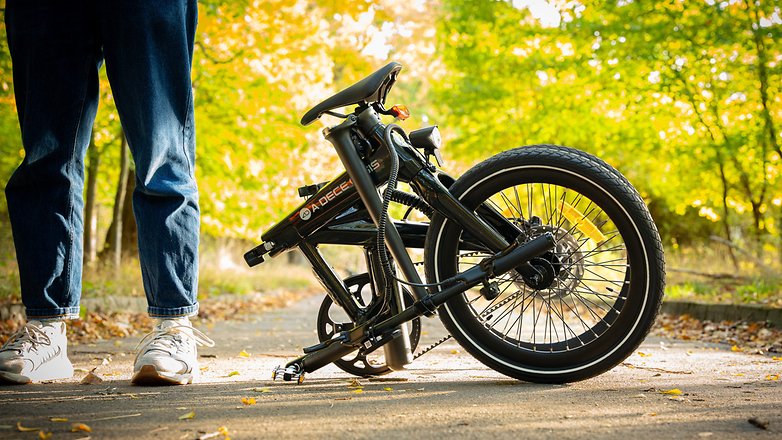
(681, 96)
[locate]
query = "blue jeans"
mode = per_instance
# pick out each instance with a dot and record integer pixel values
(56, 49)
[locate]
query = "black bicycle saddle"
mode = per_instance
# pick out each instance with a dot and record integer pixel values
(373, 88)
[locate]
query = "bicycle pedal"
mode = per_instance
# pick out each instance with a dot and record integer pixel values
(288, 374)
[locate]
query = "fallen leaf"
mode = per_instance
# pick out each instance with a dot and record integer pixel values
(420, 389)
(455, 351)
(653, 414)
(233, 373)
(91, 378)
(132, 396)
(344, 398)
(188, 416)
(262, 390)
(21, 428)
(776, 358)
(358, 391)
(80, 427)
(756, 422)
(736, 348)
(355, 384)
(643, 355)
(772, 377)
(248, 400)
(388, 389)
(44, 435)
(672, 392)
(244, 354)
(58, 419)
(705, 434)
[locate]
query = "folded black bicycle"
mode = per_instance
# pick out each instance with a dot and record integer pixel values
(542, 261)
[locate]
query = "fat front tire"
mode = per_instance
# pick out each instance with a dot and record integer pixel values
(603, 282)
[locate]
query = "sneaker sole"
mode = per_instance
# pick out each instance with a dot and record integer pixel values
(149, 375)
(56, 369)
(7, 378)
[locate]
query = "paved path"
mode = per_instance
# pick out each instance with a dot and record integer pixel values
(443, 394)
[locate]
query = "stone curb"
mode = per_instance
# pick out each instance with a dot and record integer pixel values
(724, 312)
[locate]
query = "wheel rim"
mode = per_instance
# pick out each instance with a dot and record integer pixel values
(561, 357)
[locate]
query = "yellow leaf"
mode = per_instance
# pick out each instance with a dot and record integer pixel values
(673, 392)
(643, 355)
(358, 391)
(80, 427)
(91, 378)
(454, 351)
(223, 430)
(58, 419)
(736, 348)
(188, 416)
(244, 354)
(248, 400)
(776, 358)
(44, 435)
(21, 428)
(388, 389)
(772, 377)
(262, 390)
(233, 373)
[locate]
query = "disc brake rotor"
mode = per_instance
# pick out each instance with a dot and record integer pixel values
(566, 258)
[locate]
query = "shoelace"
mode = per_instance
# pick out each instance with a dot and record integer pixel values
(31, 334)
(156, 336)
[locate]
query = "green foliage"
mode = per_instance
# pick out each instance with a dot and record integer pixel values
(672, 93)
(682, 97)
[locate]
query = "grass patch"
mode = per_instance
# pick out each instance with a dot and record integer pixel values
(708, 275)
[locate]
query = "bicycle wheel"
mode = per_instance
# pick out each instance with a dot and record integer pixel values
(603, 282)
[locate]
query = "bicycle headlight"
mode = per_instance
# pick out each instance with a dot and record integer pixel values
(429, 140)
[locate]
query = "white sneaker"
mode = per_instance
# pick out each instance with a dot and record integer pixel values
(168, 355)
(37, 352)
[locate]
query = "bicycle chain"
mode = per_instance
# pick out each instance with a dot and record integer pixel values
(441, 341)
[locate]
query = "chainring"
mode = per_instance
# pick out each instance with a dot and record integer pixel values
(360, 363)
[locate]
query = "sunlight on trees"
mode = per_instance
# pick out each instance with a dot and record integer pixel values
(682, 97)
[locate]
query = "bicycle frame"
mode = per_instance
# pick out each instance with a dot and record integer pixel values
(347, 211)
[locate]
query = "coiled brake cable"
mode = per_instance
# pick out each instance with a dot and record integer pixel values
(381, 227)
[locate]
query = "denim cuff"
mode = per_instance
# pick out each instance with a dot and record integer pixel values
(54, 314)
(172, 312)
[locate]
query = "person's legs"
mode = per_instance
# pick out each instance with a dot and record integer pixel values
(55, 60)
(55, 69)
(148, 47)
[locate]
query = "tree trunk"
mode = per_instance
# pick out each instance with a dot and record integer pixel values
(114, 241)
(90, 214)
(129, 229)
